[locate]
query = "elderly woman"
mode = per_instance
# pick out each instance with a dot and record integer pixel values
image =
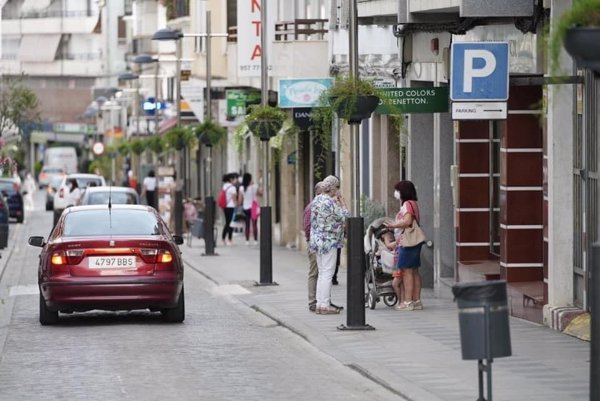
(328, 215)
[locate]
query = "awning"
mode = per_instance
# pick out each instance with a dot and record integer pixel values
(166, 125)
(39, 48)
(34, 5)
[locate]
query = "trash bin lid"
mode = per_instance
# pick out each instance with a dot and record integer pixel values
(490, 291)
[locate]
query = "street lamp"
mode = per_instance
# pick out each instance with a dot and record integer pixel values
(355, 317)
(129, 76)
(166, 34)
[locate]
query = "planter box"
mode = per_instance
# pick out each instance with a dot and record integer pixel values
(356, 109)
(582, 44)
(265, 129)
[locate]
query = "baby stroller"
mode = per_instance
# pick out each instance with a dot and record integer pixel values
(380, 265)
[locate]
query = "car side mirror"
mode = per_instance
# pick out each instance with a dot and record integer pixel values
(178, 239)
(36, 241)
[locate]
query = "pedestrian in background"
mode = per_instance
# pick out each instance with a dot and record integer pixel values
(313, 270)
(149, 189)
(409, 258)
(74, 193)
(29, 188)
(327, 222)
(249, 193)
(231, 202)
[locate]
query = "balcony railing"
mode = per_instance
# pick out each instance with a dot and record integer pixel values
(301, 29)
(298, 29)
(232, 34)
(79, 56)
(49, 14)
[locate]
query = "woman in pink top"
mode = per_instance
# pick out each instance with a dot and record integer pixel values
(409, 258)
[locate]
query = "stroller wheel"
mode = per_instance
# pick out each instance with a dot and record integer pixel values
(372, 299)
(390, 300)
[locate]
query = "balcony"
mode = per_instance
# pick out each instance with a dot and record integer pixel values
(301, 29)
(78, 22)
(431, 11)
(301, 48)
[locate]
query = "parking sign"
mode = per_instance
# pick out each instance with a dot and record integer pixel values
(479, 71)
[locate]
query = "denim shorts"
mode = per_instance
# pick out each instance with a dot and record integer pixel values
(409, 258)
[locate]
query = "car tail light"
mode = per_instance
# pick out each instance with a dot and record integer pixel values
(58, 259)
(74, 256)
(165, 257)
(149, 255)
(61, 193)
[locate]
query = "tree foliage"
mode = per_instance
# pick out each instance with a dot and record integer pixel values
(18, 105)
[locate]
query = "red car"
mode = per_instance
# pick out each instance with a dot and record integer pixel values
(110, 257)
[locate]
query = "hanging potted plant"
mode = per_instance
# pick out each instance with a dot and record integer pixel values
(352, 99)
(156, 144)
(210, 133)
(578, 29)
(265, 121)
(178, 138)
(123, 148)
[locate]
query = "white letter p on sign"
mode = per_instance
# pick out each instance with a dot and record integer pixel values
(471, 72)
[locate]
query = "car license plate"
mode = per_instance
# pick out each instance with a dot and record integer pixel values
(111, 262)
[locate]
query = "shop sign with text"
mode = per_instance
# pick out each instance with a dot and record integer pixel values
(413, 100)
(238, 101)
(249, 36)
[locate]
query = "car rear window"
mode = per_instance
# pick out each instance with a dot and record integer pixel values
(84, 182)
(117, 198)
(116, 222)
(8, 186)
(52, 170)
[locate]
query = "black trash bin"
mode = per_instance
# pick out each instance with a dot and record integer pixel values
(483, 317)
(3, 236)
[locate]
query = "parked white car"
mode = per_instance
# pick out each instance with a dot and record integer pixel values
(63, 197)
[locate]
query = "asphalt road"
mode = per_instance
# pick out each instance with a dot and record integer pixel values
(223, 350)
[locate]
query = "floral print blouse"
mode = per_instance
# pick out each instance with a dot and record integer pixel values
(327, 220)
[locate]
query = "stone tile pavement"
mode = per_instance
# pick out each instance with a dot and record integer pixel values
(414, 354)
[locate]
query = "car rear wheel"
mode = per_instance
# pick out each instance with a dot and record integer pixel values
(47, 317)
(20, 219)
(176, 314)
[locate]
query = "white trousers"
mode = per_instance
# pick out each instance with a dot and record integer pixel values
(326, 264)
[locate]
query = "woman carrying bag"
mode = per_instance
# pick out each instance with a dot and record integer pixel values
(409, 248)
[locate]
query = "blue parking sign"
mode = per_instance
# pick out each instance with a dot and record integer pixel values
(479, 71)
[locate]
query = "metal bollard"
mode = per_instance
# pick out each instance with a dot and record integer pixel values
(266, 248)
(595, 325)
(355, 298)
(209, 226)
(178, 212)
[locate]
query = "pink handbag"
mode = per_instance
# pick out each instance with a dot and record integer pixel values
(254, 210)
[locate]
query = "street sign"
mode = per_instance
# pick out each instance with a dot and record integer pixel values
(98, 148)
(479, 71)
(413, 100)
(479, 111)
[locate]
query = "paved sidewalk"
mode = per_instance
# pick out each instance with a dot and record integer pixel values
(417, 354)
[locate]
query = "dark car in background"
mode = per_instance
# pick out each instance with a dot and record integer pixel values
(110, 258)
(4, 227)
(51, 190)
(11, 190)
